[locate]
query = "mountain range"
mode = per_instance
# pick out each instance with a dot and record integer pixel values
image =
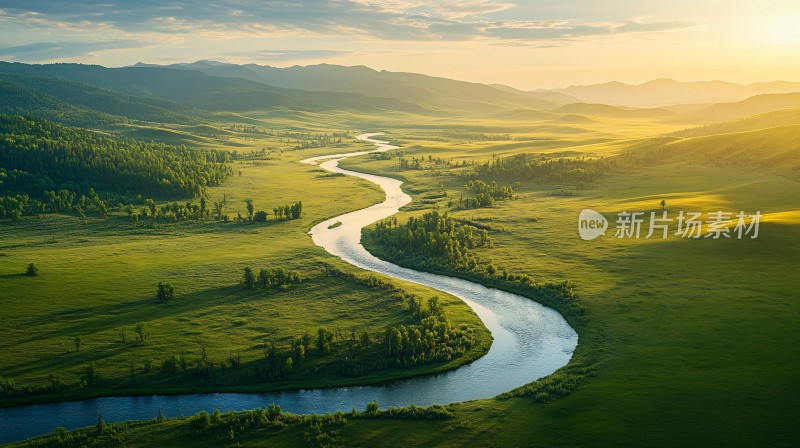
(185, 93)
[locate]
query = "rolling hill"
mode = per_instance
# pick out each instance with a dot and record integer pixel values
(752, 123)
(605, 110)
(758, 104)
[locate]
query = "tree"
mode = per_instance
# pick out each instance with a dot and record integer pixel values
(90, 375)
(141, 332)
(165, 292)
(249, 279)
(264, 278)
(324, 338)
(32, 270)
(203, 207)
(296, 210)
(372, 407)
(101, 424)
(365, 340)
(434, 308)
(250, 208)
(219, 210)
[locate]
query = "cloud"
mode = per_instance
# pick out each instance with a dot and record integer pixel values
(57, 50)
(422, 20)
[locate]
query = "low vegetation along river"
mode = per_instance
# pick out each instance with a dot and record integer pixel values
(530, 341)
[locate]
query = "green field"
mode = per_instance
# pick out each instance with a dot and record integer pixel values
(692, 342)
(98, 277)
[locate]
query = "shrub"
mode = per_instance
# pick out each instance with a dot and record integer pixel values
(200, 421)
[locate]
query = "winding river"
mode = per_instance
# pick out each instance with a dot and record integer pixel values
(530, 341)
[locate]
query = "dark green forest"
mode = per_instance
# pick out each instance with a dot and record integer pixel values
(45, 166)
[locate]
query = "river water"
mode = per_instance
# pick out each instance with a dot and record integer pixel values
(530, 341)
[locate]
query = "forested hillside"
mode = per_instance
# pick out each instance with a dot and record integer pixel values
(42, 159)
(79, 104)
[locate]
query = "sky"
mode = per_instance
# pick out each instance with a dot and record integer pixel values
(523, 43)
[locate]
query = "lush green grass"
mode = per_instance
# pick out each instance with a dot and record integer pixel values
(98, 277)
(694, 340)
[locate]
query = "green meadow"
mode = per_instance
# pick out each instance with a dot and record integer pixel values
(97, 280)
(692, 342)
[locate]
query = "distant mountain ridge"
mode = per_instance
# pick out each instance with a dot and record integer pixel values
(666, 92)
(447, 93)
(195, 89)
(436, 92)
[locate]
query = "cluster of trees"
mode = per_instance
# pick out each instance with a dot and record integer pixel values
(477, 136)
(62, 167)
(321, 140)
(386, 155)
(62, 201)
(289, 211)
(270, 277)
(433, 339)
(10, 388)
(417, 163)
(165, 292)
(434, 238)
(17, 205)
(522, 167)
(191, 211)
(492, 189)
(485, 194)
(245, 128)
(173, 212)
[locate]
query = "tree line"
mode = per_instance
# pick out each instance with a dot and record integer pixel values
(270, 277)
(522, 167)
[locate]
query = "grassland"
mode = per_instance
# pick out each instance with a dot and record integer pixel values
(694, 340)
(98, 277)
